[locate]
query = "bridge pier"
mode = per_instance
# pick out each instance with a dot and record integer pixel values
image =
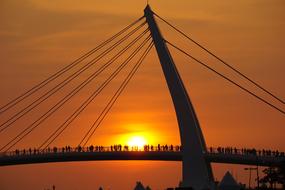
(197, 172)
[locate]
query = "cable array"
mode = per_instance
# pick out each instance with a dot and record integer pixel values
(112, 101)
(42, 84)
(30, 128)
(70, 119)
(222, 61)
(226, 78)
(63, 83)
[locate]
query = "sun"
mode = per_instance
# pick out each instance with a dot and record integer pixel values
(137, 141)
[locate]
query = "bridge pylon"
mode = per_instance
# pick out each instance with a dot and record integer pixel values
(197, 172)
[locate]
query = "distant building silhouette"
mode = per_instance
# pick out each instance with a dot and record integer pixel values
(139, 186)
(228, 183)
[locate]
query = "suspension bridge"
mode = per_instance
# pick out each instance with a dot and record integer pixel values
(141, 36)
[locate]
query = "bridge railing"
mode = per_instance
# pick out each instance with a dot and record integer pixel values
(147, 148)
(245, 152)
(115, 148)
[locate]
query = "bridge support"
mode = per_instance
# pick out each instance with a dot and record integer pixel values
(197, 172)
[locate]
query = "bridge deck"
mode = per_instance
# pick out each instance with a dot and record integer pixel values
(6, 160)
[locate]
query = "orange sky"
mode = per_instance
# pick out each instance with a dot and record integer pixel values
(39, 37)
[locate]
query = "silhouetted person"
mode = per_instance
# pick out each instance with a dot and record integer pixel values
(211, 149)
(177, 148)
(126, 148)
(91, 148)
(165, 148)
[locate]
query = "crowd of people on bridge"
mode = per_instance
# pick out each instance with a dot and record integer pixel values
(159, 147)
(246, 151)
(112, 148)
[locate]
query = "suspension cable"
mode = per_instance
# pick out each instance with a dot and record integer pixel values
(114, 98)
(222, 61)
(226, 78)
(91, 98)
(52, 110)
(66, 81)
(39, 86)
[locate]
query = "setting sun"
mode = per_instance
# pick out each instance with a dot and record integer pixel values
(137, 141)
(138, 134)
